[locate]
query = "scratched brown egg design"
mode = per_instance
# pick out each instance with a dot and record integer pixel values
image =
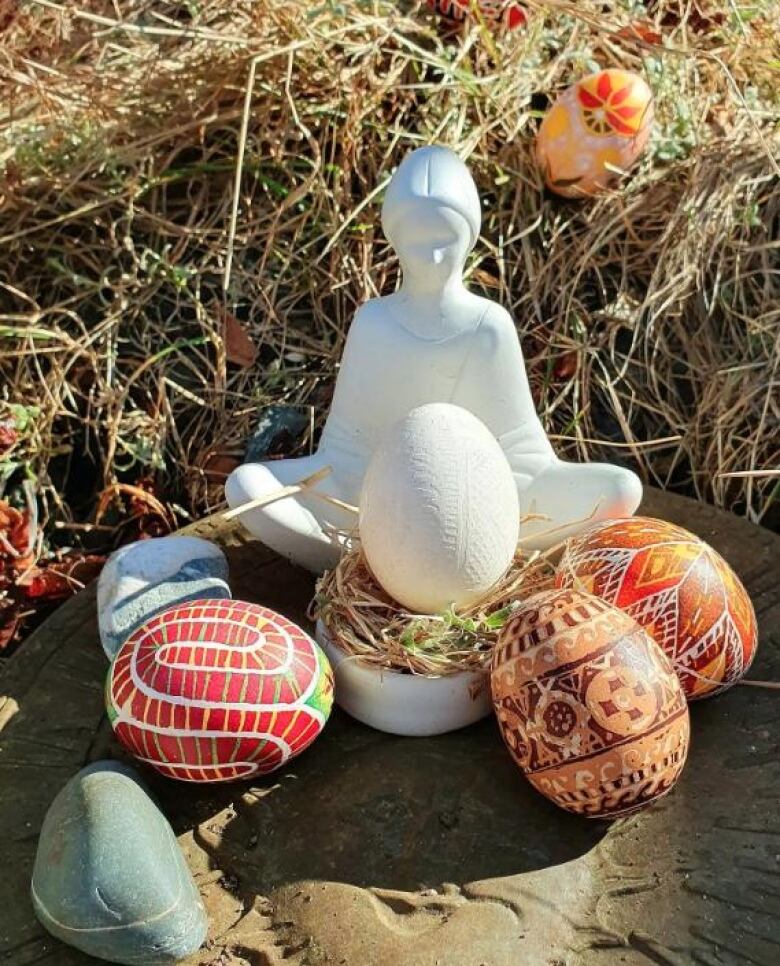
(589, 705)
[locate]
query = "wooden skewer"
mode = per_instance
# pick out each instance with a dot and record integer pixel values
(305, 484)
(563, 526)
(282, 493)
(336, 502)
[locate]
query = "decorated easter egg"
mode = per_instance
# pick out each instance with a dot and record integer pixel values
(588, 705)
(677, 587)
(503, 12)
(597, 125)
(439, 512)
(215, 690)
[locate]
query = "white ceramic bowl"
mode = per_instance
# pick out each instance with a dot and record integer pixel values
(406, 704)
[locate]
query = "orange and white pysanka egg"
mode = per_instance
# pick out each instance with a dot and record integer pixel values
(596, 129)
(588, 705)
(216, 690)
(503, 12)
(677, 587)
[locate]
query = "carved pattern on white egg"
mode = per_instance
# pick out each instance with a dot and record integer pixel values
(439, 512)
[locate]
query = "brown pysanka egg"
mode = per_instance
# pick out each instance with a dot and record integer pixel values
(677, 587)
(597, 128)
(588, 705)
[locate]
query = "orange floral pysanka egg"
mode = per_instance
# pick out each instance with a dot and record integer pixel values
(503, 12)
(677, 587)
(588, 705)
(596, 129)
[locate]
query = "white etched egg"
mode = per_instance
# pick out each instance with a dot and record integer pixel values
(439, 513)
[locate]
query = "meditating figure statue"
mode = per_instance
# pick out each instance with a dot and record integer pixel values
(430, 341)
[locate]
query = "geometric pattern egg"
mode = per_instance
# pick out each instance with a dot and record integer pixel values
(503, 12)
(596, 129)
(218, 690)
(588, 705)
(677, 587)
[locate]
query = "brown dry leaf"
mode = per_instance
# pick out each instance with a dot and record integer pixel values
(641, 30)
(217, 467)
(61, 578)
(16, 541)
(239, 347)
(565, 366)
(8, 12)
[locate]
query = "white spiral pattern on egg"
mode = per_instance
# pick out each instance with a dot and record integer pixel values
(218, 690)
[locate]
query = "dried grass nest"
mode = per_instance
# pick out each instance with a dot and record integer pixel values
(368, 625)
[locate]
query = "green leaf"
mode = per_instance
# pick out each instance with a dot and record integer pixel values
(500, 617)
(24, 416)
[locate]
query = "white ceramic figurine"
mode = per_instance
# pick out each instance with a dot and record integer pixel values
(431, 341)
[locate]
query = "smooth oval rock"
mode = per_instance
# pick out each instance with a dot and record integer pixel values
(109, 876)
(145, 577)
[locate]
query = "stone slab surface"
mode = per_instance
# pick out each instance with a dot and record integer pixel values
(373, 850)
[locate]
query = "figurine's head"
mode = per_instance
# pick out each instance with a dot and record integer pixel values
(431, 214)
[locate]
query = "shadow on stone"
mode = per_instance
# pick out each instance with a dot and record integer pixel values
(369, 809)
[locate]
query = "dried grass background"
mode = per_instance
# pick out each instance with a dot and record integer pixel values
(649, 318)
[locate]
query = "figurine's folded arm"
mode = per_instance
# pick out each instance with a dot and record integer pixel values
(304, 528)
(503, 401)
(561, 496)
(354, 397)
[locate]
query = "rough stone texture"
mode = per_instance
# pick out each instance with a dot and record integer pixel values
(144, 577)
(109, 877)
(373, 850)
(278, 431)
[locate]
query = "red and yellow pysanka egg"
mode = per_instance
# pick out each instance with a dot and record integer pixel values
(596, 129)
(502, 12)
(216, 690)
(677, 587)
(588, 705)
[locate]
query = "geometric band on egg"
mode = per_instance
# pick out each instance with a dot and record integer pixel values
(588, 705)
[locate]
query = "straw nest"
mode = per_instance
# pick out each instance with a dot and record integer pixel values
(369, 626)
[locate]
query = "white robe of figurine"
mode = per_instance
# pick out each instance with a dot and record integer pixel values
(431, 341)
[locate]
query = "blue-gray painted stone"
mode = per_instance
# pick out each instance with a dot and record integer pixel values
(110, 878)
(278, 431)
(143, 578)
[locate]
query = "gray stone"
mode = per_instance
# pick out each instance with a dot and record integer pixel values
(109, 876)
(278, 433)
(143, 578)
